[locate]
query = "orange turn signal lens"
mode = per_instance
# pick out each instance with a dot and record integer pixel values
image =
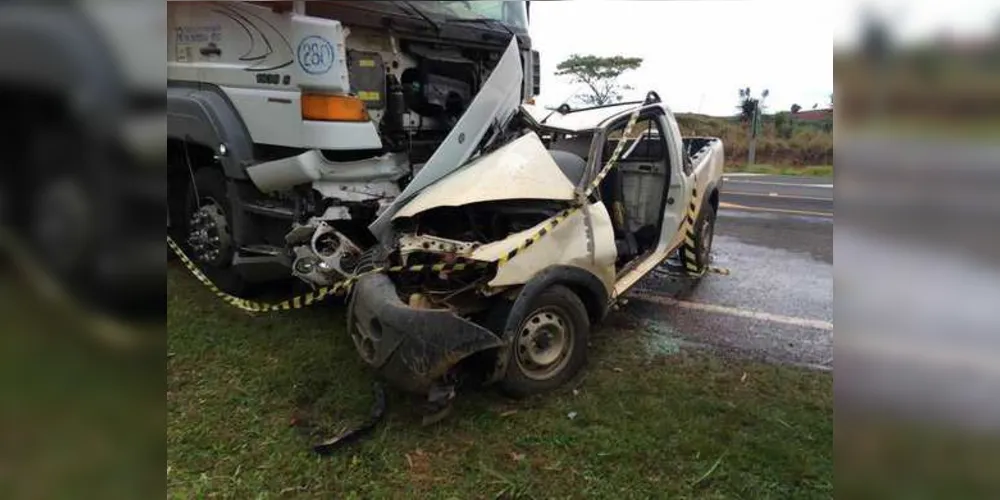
(338, 108)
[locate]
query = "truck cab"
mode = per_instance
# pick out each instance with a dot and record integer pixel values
(293, 125)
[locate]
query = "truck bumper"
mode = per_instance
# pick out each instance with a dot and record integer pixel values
(412, 348)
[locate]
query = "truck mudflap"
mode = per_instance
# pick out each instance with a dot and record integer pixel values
(411, 347)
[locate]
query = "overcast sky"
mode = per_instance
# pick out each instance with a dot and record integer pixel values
(697, 54)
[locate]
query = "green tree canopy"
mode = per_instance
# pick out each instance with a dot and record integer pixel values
(600, 74)
(748, 104)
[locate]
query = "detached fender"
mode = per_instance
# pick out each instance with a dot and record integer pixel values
(202, 114)
(587, 286)
(410, 347)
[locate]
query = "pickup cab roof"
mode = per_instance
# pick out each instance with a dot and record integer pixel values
(583, 119)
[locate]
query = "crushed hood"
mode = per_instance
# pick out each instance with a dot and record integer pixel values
(497, 101)
(520, 170)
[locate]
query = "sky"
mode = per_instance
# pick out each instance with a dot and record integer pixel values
(697, 54)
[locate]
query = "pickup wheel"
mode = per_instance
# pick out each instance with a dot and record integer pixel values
(550, 344)
(208, 236)
(704, 231)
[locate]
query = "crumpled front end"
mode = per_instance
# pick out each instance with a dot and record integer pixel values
(412, 346)
(463, 249)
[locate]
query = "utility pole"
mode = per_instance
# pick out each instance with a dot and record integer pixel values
(755, 127)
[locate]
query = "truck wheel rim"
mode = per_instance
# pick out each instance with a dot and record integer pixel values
(209, 235)
(544, 342)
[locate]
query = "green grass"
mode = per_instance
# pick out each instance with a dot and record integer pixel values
(811, 171)
(649, 423)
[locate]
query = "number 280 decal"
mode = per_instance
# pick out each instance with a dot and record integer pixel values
(315, 55)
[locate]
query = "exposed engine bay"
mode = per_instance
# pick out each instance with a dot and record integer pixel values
(415, 91)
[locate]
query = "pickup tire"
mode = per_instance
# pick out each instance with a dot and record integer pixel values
(549, 346)
(208, 210)
(704, 232)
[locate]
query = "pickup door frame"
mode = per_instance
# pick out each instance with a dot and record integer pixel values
(677, 194)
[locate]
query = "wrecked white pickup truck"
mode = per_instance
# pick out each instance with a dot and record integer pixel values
(520, 232)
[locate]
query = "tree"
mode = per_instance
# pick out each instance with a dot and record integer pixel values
(750, 108)
(748, 104)
(796, 108)
(600, 74)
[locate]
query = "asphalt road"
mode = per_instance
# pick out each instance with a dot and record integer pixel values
(775, 235)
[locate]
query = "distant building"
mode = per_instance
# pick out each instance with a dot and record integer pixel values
(813, 114)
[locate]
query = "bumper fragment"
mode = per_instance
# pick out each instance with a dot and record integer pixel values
(412, 348)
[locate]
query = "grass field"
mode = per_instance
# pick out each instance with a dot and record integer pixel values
(810, 171)
(648, 423)
(793, 144)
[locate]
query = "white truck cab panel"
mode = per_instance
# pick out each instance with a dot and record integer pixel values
(264, 60)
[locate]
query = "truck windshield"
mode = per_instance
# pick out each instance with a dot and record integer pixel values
(512, 14)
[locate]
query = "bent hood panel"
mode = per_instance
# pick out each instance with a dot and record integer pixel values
(497, 101)
(520, 170)
(566, 244)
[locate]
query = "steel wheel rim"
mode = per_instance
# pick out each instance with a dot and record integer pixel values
(209, 235)
(544, 342)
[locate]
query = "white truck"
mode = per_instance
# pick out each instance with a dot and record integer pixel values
(292, 125)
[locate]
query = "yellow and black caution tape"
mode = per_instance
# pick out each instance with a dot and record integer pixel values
(688, 249)
(296, 302)
(548, 227)
(561, 216)
(321, 293)
(626, 135)
(440, 267)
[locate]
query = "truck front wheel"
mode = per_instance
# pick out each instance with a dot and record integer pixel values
(208, 238)
(549, 345)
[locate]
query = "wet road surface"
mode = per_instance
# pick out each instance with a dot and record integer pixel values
(775, 235)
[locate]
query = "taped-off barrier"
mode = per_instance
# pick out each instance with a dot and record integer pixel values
(691, 267)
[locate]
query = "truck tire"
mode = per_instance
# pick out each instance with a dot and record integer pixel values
(550, 344)
(704, 232)
(208, 236)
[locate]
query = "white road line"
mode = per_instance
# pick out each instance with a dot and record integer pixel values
(776, 195)
(733, 311)
(796, 184)
(735, 206)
